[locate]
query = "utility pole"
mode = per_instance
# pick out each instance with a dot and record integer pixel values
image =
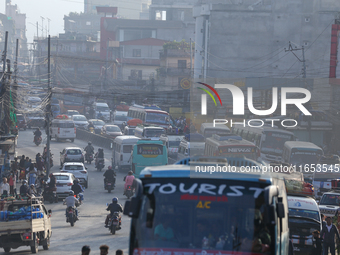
(3, 79)
(291, 49)
(190, 59)
(6, 98)
(37, 31)
(48, 31)
(42, 26)
(15, 88)
(48, 108)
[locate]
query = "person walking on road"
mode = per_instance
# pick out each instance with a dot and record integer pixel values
(328, 233)
(104, 249)
(85, 250)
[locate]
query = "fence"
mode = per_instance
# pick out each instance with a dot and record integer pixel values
(99, 140)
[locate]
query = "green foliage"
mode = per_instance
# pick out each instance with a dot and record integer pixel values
(182, 45)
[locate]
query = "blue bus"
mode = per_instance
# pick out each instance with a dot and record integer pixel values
(184, 209)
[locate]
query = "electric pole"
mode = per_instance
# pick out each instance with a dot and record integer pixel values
(15, 88)
(291, 49)
(48, 108)
(3, 79)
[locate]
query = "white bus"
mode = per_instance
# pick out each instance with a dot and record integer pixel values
(269, 140)
(121, 153)
(208, 129)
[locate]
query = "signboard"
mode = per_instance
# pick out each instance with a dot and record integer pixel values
(237, 149)
(150, 149)
(185, 83)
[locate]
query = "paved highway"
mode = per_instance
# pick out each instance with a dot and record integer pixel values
(89, 229)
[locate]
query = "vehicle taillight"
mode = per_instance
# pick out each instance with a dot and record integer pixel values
(83, 172)
(58, 130)
(26, 235)
(69, 184)
(121, 157)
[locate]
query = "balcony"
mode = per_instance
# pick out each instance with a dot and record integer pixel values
(175, 53)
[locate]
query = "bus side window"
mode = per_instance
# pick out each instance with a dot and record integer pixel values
(143, 116)
(186, 152)
(257, 139)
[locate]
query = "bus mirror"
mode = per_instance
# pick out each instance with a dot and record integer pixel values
(269, 193)
(280, 210)
(131, 207)
(270, 215)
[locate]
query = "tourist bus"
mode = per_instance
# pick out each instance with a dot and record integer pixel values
(269, 140)
(231, 146)
(150, 115)
(148, 153)
(218, 214)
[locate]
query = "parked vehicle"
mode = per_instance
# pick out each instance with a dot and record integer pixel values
(78, 170)
(71, 154)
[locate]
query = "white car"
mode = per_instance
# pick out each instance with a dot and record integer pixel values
(80, 121)
(329, 203)
(78, 170)
(64, 182)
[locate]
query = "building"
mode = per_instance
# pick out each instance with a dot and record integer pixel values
(133, 9)
(248, 38)
(140, 58)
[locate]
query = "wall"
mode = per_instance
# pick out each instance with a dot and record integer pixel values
(147, 51)
(146, 71)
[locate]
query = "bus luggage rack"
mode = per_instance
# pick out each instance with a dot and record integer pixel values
(238, 162)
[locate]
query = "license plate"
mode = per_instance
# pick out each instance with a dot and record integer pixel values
(109, 184)
(59, 185)
(67, 131)
(114, 223)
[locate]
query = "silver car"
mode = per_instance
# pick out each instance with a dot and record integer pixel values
(71, 154)
(80, 121)
(78, 170)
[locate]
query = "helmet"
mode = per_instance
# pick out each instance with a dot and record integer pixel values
(109, 168)
(24, 182)
(32, 185)
(89, 143)
(115, 200)
(75, 181)
(71, 193)
(130, 173)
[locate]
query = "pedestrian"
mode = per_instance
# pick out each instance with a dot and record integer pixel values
(32, 174)
(22, 162)
(323, 220)
(4, 187)
(329, 233)
(104, 249)
(28, 162)
(317, 243)
(119, 252)
(15, 167)
(12, 183)
(85, 250)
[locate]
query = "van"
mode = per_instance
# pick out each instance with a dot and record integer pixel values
(62, 129)
(171, 141)
(191, 145)
(304, 217)
(104, 109)
(149, 132)
(119, 118)
(121, 153)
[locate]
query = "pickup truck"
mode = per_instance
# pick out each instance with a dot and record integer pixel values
(24, 223)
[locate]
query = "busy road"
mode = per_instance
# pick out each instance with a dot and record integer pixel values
(89, 230)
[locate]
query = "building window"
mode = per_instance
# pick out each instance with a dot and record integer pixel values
(88, 23)
(136, 75)
(182, 64)
(136, 53)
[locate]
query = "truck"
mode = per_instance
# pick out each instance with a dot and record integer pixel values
(24, 223)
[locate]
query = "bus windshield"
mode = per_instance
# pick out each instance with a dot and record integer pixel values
(238, 152)
(121, 117)
(154, 132)
(174, 144)
(304, 213)
(73, 100)
(183, 215)
(274, 142)
(157, 118)
(330, 199)
(305, 157)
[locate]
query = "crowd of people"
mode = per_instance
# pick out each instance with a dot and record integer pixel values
(27, 171)
(184, 126)
(104, 250)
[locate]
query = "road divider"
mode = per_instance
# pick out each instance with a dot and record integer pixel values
(99, 140)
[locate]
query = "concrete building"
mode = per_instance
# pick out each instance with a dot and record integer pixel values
(132, 9)
(246, 38)
(140, 58)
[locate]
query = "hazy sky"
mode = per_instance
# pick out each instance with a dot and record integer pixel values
(52, 9)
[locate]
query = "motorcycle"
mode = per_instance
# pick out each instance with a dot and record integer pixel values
(129, 192)
(109, 185)
(80, 197)
(37, 140)
(50, 195)
(89, 157)
(71, 216)
(100, 164)
(114, 223)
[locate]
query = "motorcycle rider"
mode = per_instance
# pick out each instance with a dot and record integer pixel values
(89, 150)
(128, 181)
(109, 176)
(99, 155)
(71, 201)
(78, 189)
(114, 207)
(37, 134)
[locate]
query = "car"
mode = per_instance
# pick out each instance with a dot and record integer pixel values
(21, 121)
(71, 154)
(78, 170)
(329, 203)
(98, 124)
(64, 182)
(111, 130)
(70, 113)
(80, 121)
